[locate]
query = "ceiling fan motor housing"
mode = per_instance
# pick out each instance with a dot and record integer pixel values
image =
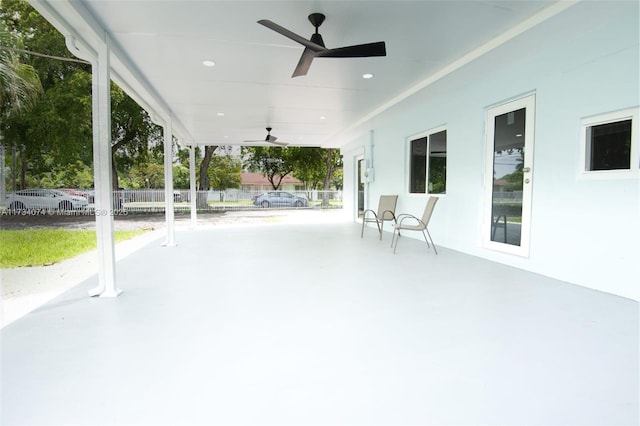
(316, 19)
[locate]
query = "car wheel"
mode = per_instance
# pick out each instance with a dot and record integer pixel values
(65, 205)
(298, 203)
(265, 204)
(16, 205)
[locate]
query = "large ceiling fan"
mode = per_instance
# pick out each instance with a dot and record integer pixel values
(315, 47)
(269, 138)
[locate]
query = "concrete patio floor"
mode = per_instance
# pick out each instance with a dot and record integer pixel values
(304, 322)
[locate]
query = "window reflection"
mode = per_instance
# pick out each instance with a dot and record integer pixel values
(428, 164)
(508, 177)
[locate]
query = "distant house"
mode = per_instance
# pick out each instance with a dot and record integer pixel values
(499, 184)
(256, 182)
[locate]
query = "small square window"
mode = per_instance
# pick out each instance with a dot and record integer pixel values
(609, 145)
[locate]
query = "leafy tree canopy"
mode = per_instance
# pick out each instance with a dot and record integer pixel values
(20, 86)
(224, 172)
(59, 127)
(315, 167)
(274, 162)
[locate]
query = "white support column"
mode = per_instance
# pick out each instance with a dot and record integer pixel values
(368, 161)
(101, 104)
(192, 186)
(168, 183)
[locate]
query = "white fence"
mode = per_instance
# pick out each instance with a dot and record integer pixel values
(231, 199)
(153, 200)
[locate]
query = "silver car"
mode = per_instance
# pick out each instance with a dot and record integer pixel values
(45, 199)
(280, 199)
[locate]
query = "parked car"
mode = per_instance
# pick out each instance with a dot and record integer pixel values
(280, 199)
(46, 199)
(80, 193)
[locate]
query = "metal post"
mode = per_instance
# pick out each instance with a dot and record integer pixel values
(3, 188)
(14, 168)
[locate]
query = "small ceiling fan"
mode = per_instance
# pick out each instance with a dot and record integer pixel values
(316, 48)
(269, 138)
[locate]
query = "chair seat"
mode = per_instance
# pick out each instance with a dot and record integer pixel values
(418, 227)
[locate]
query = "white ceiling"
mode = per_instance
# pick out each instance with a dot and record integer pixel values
(251, 82)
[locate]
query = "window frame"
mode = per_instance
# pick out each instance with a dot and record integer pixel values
(408, 145)
(632, 114)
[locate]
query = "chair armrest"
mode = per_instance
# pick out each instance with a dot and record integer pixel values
(406, 216)
(364, 214)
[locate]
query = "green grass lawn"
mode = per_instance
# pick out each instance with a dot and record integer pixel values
(37, 247)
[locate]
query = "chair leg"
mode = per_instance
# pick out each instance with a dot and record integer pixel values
(432, 243)
(365, 221)
(425, 239)
(395, 246)
(380, 229)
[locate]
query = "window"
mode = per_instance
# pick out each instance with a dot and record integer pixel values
(609, 144)
(428, 163)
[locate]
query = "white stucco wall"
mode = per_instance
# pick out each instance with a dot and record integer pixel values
(582, 62)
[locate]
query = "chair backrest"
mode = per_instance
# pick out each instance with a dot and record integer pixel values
(428, 210)
(387, 207)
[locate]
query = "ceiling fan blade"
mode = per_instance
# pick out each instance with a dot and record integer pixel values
(272, 139)
(305, 62)
(293, 36)
(357, 51)
(261, 142)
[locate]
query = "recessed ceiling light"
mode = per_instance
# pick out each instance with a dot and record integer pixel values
(323, 117)
(367, 76)
(208, 63)
(220, 114)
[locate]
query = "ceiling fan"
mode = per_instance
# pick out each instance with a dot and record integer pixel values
(269, 138)
(315, 47)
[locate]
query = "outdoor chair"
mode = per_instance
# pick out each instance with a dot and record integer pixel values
(408, 222)
(386, 212)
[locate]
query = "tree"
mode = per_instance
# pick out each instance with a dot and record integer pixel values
(181, 177)
(515, 179)
(274, 162)
(333, 161)
(20, 90)
(133, 134)
(203, 176)
(36, 132)
(47, 129)
(225, 173)
(20, 86)
(310, 167)
(315, 167)
(77, 175)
